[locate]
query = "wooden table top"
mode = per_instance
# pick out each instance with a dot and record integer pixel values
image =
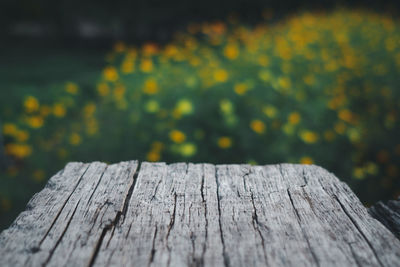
(157, 214)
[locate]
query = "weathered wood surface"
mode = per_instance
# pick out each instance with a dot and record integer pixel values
(194, 215)
(388, 213)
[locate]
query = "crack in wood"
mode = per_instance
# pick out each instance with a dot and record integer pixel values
(116, 220)
(62, 207)
(256, 225)
(96, 215)
(302, 229)
(358, 229)
(95, 188)
(304, 177)
(129, 195)
(153, 250)
(226, 258)
(205, 212)
(192, 240)
(155, 191)
(245, 175)
(62, 235)
(170, 226)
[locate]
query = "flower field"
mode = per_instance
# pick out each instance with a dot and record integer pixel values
(315, 88)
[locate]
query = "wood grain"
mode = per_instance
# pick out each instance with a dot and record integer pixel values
(196, 215)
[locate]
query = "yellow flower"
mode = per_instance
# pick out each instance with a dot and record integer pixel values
(265, 75)
(119, 92)
(226, 106)
(38, 175)
(157, 146)
(340, 127)
(306, 160)
(110, 74)
(71, 88)
(146, 65)
(119, 47)
(127, 66)
(345, 115)
(284, 82)
(294, 118)
(270, 111)
(9, 129)
(354, 135)
(31, 104)
(18, 150)
(221, 75)
(103, 89)
(92, 126)
(308, 137)
(218, 28)
(258, 126)
(252, 162)
(150, 49)
(188, 149)
(153, 156)
(329, 135)
(35, 121)
(263, 60)
(152, 106)
(195, 61)
(241, 88)
(224, 142)
(59, 110)
(22, 136)
(288, 129)
(171, 50)
(184, 106)
(45, 110)
(309, 80)
(150, 87)
(371, 168)
(359, 173)
(75, 139)
(231, 51)
(89, 110)
(177, 136)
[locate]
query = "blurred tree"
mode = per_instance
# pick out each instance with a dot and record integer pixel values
(144, 19)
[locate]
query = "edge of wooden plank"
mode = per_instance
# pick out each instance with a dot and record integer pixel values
(388, 213)
(380, 240)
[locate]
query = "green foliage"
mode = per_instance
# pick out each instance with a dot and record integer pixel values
(315, 88)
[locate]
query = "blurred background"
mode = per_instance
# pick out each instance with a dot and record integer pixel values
(258, 82)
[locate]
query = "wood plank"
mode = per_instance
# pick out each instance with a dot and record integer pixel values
(26, 234)
(64, 222)
(196, 215)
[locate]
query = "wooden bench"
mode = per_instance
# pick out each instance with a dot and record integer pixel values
(196, 214)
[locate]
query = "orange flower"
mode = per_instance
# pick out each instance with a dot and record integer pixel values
(258, 126)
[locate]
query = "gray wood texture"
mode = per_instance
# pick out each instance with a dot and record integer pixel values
(154, 214)
(388, 213)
